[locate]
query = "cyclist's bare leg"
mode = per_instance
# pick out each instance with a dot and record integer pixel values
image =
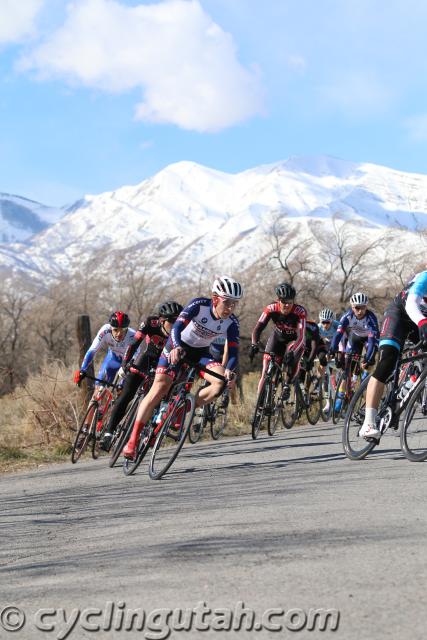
(266, 359)
(215, 387)
(374, 393)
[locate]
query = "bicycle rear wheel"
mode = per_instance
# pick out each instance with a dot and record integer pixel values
(314, 395)
(413, 435)
(355, 446)
(84, 433)
(172, 435)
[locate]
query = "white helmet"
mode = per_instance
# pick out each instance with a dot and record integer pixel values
(326, 314)
(227, 288)
(359, 298)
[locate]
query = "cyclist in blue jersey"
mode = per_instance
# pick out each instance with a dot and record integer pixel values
(404, 318)
(359, 325)
(201, 322)
(327, 325)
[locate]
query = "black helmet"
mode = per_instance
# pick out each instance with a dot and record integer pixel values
(170, 309)
(119, 320)
(285, 291)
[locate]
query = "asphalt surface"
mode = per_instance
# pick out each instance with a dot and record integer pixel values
(284, 523)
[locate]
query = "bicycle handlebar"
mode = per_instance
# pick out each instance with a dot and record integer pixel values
(104, 382)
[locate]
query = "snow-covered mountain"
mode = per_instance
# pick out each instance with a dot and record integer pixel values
(21, 218)
(188, 215)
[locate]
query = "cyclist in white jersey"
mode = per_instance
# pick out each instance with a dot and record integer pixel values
(201, 322)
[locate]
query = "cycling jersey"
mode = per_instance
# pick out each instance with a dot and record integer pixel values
(414, 297)
(289, 327)
(328, 333)
(104, 338)
(197, 327)
(152, 333)
(217, 348)
(364, 330)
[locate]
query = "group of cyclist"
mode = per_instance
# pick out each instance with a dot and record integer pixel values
(206, 332)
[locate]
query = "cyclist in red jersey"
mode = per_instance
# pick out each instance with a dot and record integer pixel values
(287, 341)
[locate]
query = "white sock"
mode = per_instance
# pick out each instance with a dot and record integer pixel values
(370, 415)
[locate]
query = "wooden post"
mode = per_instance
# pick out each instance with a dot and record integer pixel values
(85, 340)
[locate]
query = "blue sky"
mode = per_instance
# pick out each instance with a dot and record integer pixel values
(95, 94)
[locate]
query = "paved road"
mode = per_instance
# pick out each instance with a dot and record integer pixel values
(285, 523)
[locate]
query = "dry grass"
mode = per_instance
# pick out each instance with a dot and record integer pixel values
(38, 419)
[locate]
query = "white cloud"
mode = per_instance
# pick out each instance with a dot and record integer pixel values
(17, 19)
(357, 95)
(184, 63)
(416, 127)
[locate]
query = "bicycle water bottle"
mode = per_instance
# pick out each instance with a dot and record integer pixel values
(407, 386)
(340, 396)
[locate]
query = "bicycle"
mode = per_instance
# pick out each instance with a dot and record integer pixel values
(124, 428)
(169, 425)
(271, 399)
(94, 421)
(215, 414)
(392, 405)
(176, 421)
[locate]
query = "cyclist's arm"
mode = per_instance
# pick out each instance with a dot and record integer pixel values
(341, 331)
(233, 346)
(187, 314)
(300, 339)
(373, 337)
(96, 345)
(415, 299)
(261, 324)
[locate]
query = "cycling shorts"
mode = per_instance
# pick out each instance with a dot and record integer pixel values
(397, 326)
(197, 356)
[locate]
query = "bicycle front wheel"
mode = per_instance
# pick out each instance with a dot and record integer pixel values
(291, 406)
(261, 407)
(355, 446)
(198, 425)
(219, 417)
(413, 436)
(84, 433)
(314, 396)
(122, 433)
(172, 435)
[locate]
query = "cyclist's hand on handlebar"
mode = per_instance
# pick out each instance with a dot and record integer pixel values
(254, 348)
(176, 355)
(78, 376)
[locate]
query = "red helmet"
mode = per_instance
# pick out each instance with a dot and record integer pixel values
(119, 320)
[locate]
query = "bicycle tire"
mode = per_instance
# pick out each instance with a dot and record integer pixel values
(197, 429)
(130, 466)
(275, 405)
(260, 407)
(219, 418)
(122, 433)
(290, 410)
(82, 438)
(182, 411)
(314, 408)
(413, 434)
(352, 425)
